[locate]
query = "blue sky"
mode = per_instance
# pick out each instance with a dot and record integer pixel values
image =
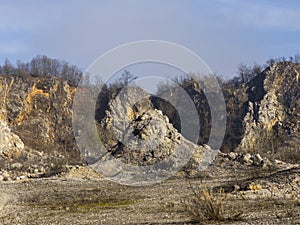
(223, 32)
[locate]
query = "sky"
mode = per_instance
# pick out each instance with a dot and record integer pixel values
(223, 33)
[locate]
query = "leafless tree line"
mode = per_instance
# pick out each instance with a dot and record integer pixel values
(42, 65)
(246, 73)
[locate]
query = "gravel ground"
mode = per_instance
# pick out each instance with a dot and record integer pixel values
(82, 197)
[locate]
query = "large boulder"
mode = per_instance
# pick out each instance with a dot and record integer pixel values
(11, 145)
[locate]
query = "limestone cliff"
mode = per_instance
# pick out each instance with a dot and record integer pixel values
(272, 118)
(262, 115)
(39, 111)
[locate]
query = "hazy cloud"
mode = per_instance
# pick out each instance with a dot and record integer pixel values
(263, 14)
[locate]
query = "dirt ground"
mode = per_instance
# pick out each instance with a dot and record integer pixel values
(83, 197)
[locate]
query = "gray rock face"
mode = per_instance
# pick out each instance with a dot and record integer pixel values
(141, 135)
(273, 115)
(144, 134)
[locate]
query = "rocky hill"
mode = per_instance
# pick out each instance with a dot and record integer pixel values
(272, 113)
(262, 115)
(140, 135)
(36, 121)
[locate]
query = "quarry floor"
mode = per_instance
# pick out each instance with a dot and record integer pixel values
(84, 197)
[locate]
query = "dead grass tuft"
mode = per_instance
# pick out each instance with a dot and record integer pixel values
(206, 205)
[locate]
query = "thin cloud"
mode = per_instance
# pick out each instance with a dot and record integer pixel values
(262, 14)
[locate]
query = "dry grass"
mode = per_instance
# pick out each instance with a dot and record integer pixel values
(207, 205)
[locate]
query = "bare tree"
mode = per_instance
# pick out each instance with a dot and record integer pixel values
(271, 62)
(8, 68)
(127, 78)
(22, 68)
(243, 72)
(297, 58)
(256, 69)
(45, 66)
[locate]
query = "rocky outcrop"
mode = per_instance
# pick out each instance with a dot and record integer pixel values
(36, 127)
(38, 110)
(272, 118)
(11, 145)
(140, 135)
(263, 117)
